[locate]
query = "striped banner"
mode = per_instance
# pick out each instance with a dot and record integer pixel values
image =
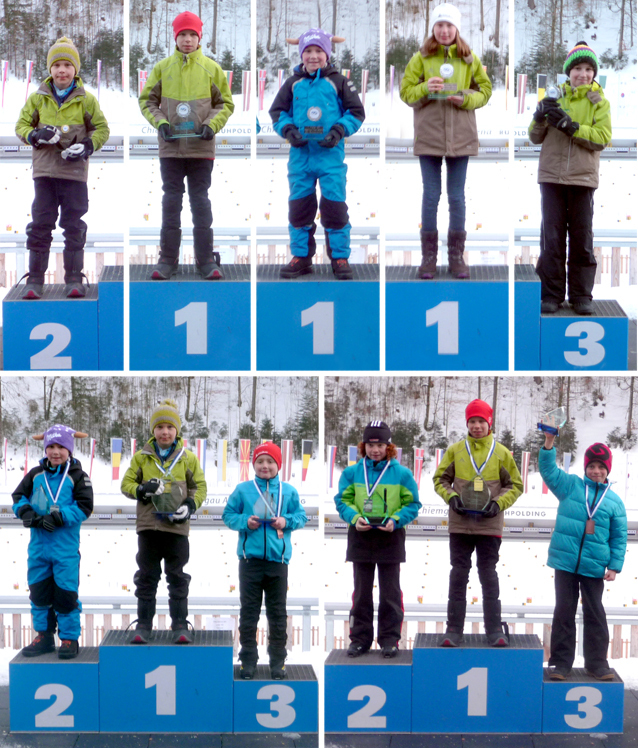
(99, 77)
(92, 457)
(365, 77)
(26, 456)
(185, 442)
(567, 461)
(438, 456)
(507, 84)
(244, 459)
(281, 77)
(262, 88)
(29, 73)
(418, 464)
(201, 447)
(116, 457)
(229, 77)
(133, 446)
(286, 459)
(306, 452)
(399, 454)
(5, 70)
(391, 85)
(123, 76)
(521, 87)
(332, 454)
(245, 89)
(353, 454)
(525, 469)
(4, 454)
(142, 75)
(222, 457)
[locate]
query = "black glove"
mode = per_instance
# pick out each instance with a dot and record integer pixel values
(562, 121)
(146, 491)
(335, 134)
(27, 515)
(492, 510)
(164, 133)
(52, 521)
(207, 133)
(47, 135)
(544, 107)
(456, 505)
(184, 511)
(294, 137)
(79, 151)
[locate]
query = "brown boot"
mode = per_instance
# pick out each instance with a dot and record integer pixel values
(455, 249)
(429, 249)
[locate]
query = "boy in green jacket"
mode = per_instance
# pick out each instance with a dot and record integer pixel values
(188, 100)
(168, 483)
(65, 125)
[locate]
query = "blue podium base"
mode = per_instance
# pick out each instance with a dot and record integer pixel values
(527, 329)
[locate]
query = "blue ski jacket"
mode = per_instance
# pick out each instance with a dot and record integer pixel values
(263, 542)
(571, 548)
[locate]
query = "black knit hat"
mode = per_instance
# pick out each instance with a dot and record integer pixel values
(377, 431)
(581, 53)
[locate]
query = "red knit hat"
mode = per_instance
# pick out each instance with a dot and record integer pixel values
(598, 453)
(479, 409)
(270, 449)
(187, 21)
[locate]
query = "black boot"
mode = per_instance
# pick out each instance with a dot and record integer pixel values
(496, 631)
(429, 250)
(73, 264)
(455, 622)
(206, 260)
(42, 644)
(168, 260)
(455, 249)
(178, 610)
(144, 629)
(38, 263)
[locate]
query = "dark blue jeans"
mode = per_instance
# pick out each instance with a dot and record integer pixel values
(431, 174)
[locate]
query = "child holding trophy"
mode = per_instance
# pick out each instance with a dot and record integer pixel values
(444, 83)
(587, 549)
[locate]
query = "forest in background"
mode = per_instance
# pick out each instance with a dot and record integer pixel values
(211, 408)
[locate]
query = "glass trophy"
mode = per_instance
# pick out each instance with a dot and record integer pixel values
(446, 72)
(185, 128)
(552, 92)
(553, 421)
(476, 496)
(40, 501)
(375, 519)
(264, 509)
(168, 500)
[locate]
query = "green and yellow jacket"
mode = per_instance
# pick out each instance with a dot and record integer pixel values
(79, 116)
(441, 128)
(184, 89)
(574, 160)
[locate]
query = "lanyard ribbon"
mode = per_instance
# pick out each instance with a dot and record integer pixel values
(479, 470)
(369, 490)
(66, 472)
(591, 513)
(268, 502)
(167, 471)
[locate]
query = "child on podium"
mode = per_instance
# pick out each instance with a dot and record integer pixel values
(264, 511)
(377, 498)
(587, 549)
(53, 499)
(168, 484)
(479, 480)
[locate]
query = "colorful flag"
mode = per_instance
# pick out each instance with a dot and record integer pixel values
(418, 464)
(541, 85)
(281, 77)
(525, 469)
(92, 456)
(222, 456)
(286, 459)
(123, 76)
(185, 442)
(99, 77)
(365, 76)
(29, 72)
(306, 451)
(399, 454)
(332, 454)
(133, 446)
(346, 73)
(438, 456)
(229, 77)
(26, 456)
(507, 84)
(116, 457)
(353, 454)
(391, 85)
(567, 459)
(201, 453)
(262, 88)
(4, 457)
(521, 86)
(245, 89)
(5, 70)
(545, 489)
(142, 75)
(244, 459)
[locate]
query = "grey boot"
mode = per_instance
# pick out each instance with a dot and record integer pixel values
(206, 259)
(38, 263)
(73, 264)
(144, 629)
(497, 632)
(168, 260)
(429, 250)
(455, 249)
(178, 610)
(455, 621)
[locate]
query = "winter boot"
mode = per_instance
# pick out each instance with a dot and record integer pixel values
(277, 665)
(296, 267)
(73, 264)
(144, 629)
(206, 260)
(455, 621)
(178, 610)
(341, 269)
(69, 649)
(168, 260)
(497, 633)
(429, 249)
(247, 670)
(42, 644)
(38, 263)
(455, 249)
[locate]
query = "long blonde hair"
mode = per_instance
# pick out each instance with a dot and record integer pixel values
(430, 46)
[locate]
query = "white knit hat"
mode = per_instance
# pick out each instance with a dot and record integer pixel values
(446, 12)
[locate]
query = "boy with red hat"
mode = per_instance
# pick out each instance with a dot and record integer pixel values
(264, 511)
(479, 480)
(188, 100)
(587, 549)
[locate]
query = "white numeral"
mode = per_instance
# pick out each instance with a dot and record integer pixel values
(52, 716)
(195, 317)
(475, 680)
(163, 678)
(364, 717)
(593, 352)
(322, 318)
(285, 713)
(446, 316)
(592, 715)
(46, 358)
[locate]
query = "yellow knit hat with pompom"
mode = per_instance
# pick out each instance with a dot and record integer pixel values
(166, 412)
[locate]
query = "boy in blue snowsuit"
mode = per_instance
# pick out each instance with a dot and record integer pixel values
(264, 511)
(53, 499)
(315, 110)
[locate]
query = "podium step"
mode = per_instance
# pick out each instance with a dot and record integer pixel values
(52, 292)
(293, 673)
(320, 272)
(188, 273)
(165, 639)
(396, 273)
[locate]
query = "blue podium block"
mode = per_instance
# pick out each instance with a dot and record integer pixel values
(445, 323)
(583, 704)
(315, 322)
(187, 323)
(52, 695)
(476, 688)
(595, 343)
(368, 693)
(266, 705)
(165, 687)
(52, 333)
(110, 318)
(527, 310)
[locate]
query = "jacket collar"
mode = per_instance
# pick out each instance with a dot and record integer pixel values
(59, 469)
(194, 55)
(592, 484)
(484, 441)
(581, 91)
(379, 466)
(149, 447)
(273, 483)
(301, 71)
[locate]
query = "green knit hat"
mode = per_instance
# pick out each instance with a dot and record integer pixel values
(166, 412)
(64, 49)
(581, 53)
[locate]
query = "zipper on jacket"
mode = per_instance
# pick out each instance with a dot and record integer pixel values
(264, 526)
(582, 540)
